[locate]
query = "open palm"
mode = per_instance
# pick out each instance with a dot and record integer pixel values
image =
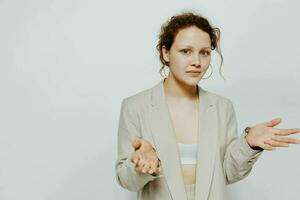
(264, 135)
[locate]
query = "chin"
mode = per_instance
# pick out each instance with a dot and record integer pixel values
(192, 81)
(188, 80)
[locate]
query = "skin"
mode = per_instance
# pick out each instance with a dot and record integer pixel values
(191, 50)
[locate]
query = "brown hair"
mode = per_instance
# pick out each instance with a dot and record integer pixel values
(171, 27)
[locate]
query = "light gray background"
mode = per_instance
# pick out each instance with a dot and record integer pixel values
(66, 65)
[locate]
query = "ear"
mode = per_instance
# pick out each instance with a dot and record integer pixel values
(165, 53)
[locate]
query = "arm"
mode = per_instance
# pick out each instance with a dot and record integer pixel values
(128, 130)
(239, 156)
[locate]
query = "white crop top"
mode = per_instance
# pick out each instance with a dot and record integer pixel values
(188, 153)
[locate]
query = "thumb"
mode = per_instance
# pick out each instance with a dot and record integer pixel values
(274, 122)
(136, 144)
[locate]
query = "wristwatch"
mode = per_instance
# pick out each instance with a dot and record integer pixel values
(247, 129)
(159, 162)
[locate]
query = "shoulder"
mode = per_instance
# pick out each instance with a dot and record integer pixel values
(138, 99)
(217, 98)
(222, 103)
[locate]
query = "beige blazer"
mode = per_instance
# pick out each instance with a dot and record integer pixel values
(222, 156)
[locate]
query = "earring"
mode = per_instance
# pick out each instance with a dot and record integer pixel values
(164, 67)
(210, 73)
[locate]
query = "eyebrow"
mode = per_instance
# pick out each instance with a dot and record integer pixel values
(189, 46)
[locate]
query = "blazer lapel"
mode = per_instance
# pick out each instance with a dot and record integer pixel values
(207, 145)
(164, 139)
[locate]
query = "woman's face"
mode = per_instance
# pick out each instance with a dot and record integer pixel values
(191, 50)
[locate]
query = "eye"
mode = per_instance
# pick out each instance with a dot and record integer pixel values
(186, 51)
(205, 53)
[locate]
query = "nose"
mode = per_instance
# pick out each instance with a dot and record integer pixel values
(196, 62)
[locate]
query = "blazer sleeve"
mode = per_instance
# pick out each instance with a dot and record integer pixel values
(128, 130)
(239, 156)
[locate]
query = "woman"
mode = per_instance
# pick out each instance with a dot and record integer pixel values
(179, 141)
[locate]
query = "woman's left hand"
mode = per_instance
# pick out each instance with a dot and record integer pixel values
(264, 135)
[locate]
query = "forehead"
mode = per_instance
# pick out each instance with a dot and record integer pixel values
(192, 36)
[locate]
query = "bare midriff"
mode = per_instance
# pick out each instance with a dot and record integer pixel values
(184, 117)
(189, 173)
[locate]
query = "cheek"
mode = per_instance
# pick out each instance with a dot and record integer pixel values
(186, 61)
(206, 62)
(183, 61)
(206, 65)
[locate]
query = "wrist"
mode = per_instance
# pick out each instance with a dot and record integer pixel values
(158, 160)
(248, 139)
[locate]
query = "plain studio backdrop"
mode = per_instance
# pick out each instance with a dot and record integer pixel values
(65, 67)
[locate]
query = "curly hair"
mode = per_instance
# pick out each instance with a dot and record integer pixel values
(178, 22)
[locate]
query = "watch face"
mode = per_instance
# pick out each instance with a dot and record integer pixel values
(247, 129)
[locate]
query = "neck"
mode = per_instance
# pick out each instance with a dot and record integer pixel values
(177, 90)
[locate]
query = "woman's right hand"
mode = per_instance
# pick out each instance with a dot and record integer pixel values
(144, 157)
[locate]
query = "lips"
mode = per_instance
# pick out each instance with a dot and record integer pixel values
(193, 71)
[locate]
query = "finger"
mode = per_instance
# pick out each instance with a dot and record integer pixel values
(285, 139)
(153, 168)
(274, 122)
(157, 170)
(136, 144)
(268, 147)
(276, 144)
(285, 132)
(135, 158)
(142, 163)
(146, 168)
(139, 167)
